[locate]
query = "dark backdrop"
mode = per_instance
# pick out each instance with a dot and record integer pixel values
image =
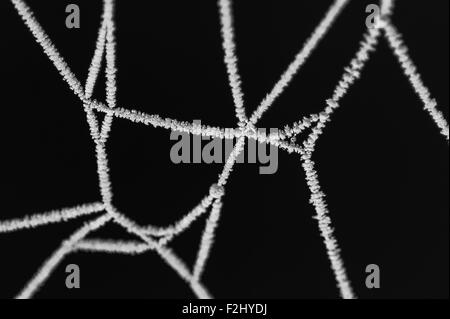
(381, 161)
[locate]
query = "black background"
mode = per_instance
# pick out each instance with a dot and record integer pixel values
(381, 161)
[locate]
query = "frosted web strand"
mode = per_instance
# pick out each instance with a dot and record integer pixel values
(207, 239)
(351, 73)
(300, 58)
(300, 126)
(228, 167)
(92, 122)
(322, 215)
(210, 131)
(51, 217)
(317, 196)
(200, 290)
(215, 132)
(103, 174)
(49, 48)
(112, 246)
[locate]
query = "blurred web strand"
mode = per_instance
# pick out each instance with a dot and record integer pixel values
(76, 241)
(54, 216)
(226, 19)
(49, 49)
(111, 246)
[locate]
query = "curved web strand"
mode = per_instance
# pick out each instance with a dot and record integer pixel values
(386, 7)
(112, 246)
(111, 85)
(207, 239)
(100, 147)
(96, 63)
(326, 231)
(136, 248)
(217, 191)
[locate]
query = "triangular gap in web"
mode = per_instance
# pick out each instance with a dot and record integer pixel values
(99, 89)
(186, 245)
(112, 231)
(100, 117)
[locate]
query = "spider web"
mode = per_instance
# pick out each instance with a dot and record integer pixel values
(157, 239)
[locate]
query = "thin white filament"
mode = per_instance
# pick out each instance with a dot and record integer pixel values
(52, 217)
(66, 247)
(231, 61)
